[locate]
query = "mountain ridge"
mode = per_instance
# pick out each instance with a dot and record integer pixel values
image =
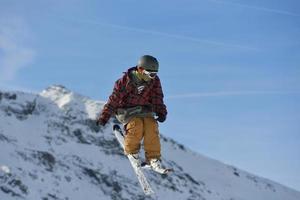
(49, 141)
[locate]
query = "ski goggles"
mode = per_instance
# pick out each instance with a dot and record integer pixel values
(148, 73)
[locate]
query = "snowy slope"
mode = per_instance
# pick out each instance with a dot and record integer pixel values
(50, 148)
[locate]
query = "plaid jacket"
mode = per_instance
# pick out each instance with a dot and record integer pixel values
(127, 94)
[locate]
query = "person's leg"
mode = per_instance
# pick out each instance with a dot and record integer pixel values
(134, 134)
(151, 139)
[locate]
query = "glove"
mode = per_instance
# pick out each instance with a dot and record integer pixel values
(101, 122)
(161, 118)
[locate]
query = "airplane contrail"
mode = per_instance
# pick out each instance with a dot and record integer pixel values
(229, 93)
(176, 36)
(282, 12)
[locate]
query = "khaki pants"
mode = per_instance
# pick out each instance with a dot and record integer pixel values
(139, 128)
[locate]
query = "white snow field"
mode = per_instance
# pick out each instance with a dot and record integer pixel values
(51, 149)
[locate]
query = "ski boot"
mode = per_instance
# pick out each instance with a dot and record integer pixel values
(136, 159)
(155, 165)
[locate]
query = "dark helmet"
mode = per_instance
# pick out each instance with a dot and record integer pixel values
(149, 63)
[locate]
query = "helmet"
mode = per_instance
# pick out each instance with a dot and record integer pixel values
(149, 63)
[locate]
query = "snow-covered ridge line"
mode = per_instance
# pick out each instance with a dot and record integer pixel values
(50, 148)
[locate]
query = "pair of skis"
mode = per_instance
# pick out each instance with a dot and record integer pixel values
(137, 169)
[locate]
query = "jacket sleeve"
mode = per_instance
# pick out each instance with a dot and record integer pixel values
(157, 99)
(114, 100)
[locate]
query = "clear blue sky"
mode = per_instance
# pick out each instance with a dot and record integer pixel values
(230, 69)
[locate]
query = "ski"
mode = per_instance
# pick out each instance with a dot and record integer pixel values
(137, 169)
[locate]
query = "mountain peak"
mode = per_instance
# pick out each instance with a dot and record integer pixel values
(51, 148)
(57, 89)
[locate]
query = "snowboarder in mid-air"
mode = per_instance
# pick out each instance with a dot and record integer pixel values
(137, 102)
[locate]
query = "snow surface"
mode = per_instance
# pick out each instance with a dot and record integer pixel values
(50, 148)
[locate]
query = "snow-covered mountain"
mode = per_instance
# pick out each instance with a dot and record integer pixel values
(50, 148)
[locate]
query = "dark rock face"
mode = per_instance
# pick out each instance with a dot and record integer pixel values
(6, 139)
(41, 158)
(22, 112)
(12, 185)
(46, 159)
(107, 179)
(7, 96)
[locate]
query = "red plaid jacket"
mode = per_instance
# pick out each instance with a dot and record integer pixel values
(126, 94)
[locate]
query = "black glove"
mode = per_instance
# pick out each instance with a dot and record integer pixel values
(161, 118)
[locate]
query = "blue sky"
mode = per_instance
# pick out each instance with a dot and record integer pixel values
(229, 68)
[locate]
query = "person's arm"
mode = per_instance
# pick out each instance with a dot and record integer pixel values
(112, 104)
(157, 100)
